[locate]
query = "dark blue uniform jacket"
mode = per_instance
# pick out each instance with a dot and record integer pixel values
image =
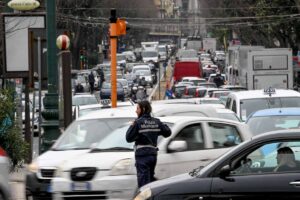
(145, 131)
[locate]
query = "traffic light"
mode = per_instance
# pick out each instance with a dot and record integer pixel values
(121, 27)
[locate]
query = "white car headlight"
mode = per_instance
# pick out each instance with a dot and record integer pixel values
(122, 167)
(33, 167)
(143, 195)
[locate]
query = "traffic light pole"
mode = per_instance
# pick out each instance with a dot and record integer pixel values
(113, 53)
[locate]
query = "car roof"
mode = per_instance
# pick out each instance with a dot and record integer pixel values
(183, 119)
(279, 134)
(216, 74)
(256, 94)
(277, 112)
(232, 86)
(83, 95)
(192, 78)
(158, 109)
(125, 103)
(140, 66)
(119, 112)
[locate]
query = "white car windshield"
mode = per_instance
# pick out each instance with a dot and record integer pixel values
(116, 139)
(149, 54)
(263, 124)
(82, 134)
(85, 100)
(143, 73)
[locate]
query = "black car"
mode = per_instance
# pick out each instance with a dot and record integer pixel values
(105, 92)
(255, 169)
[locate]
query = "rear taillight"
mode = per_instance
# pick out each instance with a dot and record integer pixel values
(2, 153)
(197, 93)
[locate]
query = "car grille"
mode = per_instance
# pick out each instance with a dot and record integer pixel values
(83, 173)
(47, 173)
(84, 195)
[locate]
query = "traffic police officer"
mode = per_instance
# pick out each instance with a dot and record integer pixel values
(144, 131)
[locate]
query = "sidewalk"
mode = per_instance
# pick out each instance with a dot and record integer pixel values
(18, 175)
(163, 83)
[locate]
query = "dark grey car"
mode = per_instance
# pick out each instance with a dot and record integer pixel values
(248, 171)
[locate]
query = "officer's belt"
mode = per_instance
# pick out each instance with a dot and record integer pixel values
(142, 146)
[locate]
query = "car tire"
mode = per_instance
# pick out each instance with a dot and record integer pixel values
(1, 196)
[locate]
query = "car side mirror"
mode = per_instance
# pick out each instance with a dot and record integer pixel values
(177, 146)
(225, 171)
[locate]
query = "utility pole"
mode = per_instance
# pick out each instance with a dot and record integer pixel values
(117, 28)
(50, 113)
(113, 55)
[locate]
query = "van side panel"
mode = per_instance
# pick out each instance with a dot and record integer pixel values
(182, 69)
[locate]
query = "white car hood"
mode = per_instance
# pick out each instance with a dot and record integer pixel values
(101, 160)
(55, 158)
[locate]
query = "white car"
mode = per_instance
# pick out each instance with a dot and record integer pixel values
(79, 137)
(213, 76)
(150, 56)
(86, 109)
(108, 170)
(129, 56)
(162, 51)
(4, 172)
(75, 140)
(243, 103)
(193, 79)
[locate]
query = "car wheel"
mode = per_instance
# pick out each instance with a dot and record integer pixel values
(1, 196)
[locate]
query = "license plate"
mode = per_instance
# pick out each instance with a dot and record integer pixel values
(49, 188)
(80, 186)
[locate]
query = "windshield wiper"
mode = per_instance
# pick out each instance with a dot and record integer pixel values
(112, 149)
(68, 149)
(195, 171)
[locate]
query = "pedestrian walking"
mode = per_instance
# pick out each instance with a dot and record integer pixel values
(91, 82)
(144, 131)
(101, 74)
(165, 65)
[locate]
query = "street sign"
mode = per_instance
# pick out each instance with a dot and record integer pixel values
(23, 5)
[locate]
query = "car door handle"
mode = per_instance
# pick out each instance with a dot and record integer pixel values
(205, 159)
(295, 183)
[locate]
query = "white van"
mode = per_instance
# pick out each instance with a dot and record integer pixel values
(244, 103)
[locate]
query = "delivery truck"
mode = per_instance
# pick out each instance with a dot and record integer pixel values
(261, 68)
(187, 69)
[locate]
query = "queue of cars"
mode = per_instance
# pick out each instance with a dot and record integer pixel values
(107, 171)
(92, 160)
(85, 131)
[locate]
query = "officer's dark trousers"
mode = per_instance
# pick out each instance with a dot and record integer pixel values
(145, 166)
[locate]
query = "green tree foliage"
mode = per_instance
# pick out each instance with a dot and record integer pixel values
(271, 23)
(11, 139)
(87, 23)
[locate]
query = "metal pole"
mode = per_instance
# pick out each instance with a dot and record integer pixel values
(40, 91)
(113, 54)
(27, 118)
(159, 81)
